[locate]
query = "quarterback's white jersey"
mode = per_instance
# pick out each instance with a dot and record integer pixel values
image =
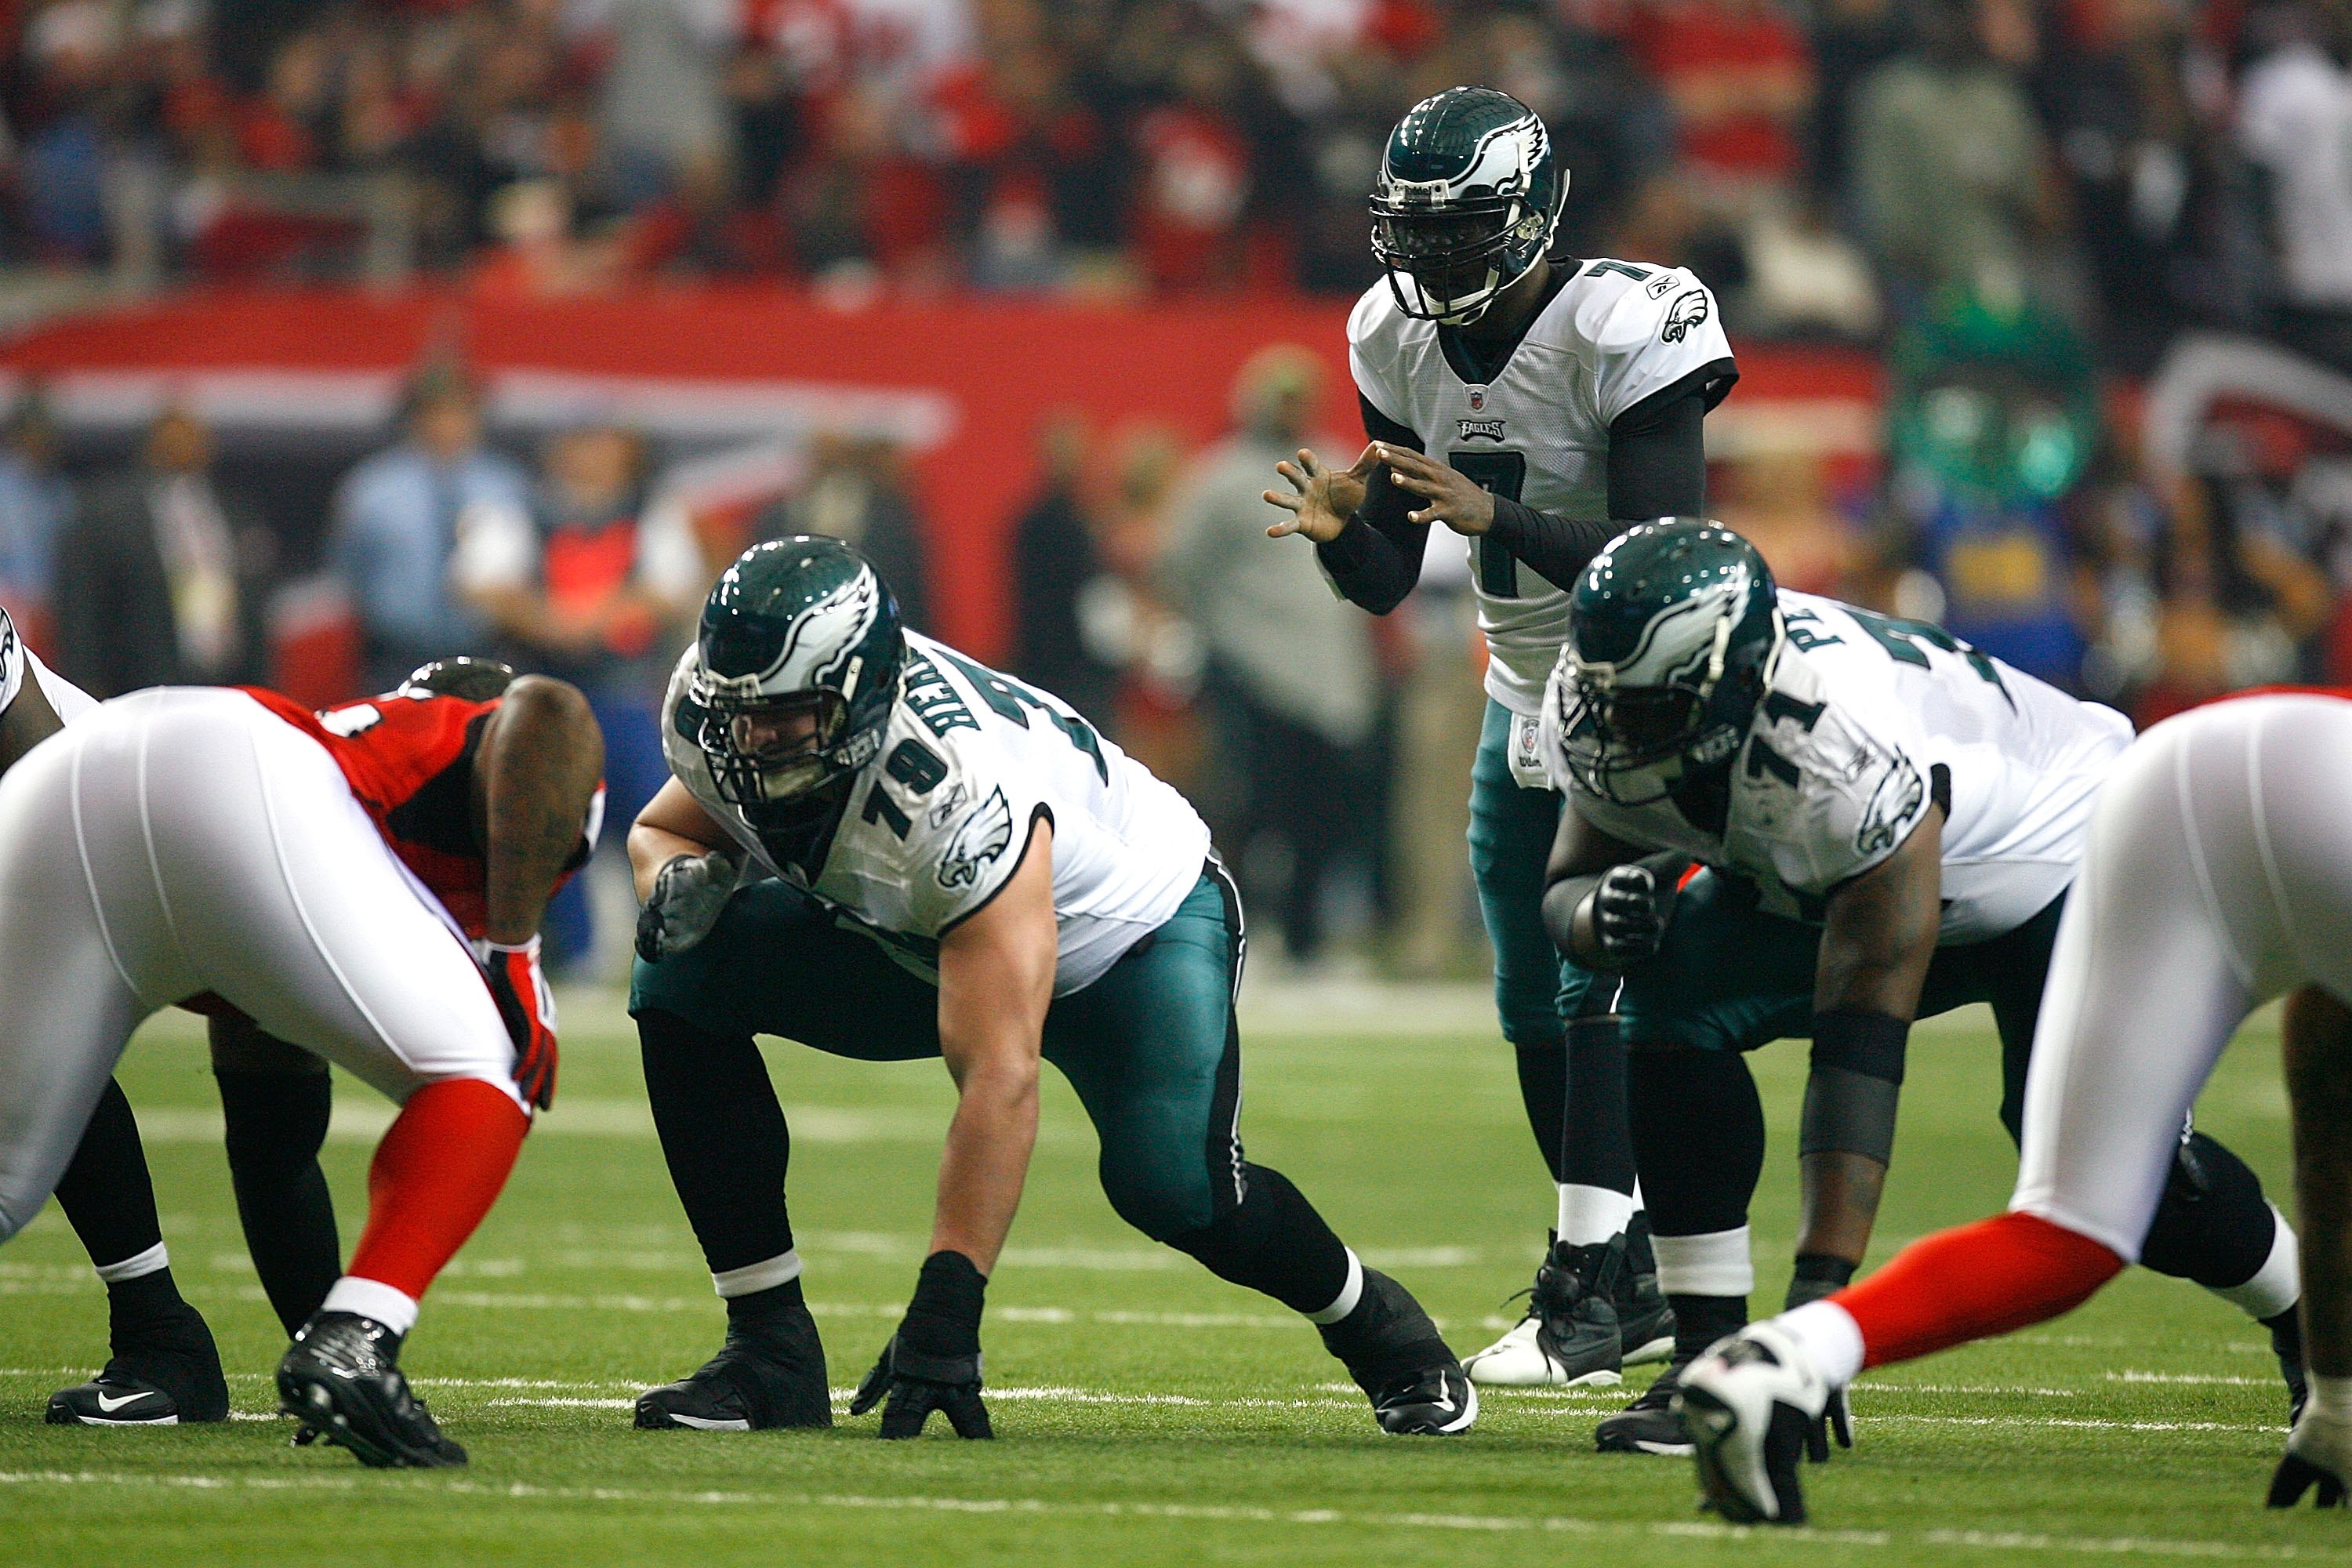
(1615, 334)
(16, 662)
(1865, 721)
(935, 824)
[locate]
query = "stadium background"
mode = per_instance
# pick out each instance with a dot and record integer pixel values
(2041, 308)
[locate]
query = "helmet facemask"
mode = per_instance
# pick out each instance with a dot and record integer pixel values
(771, 750)
(1449, 263)
(1633, 745)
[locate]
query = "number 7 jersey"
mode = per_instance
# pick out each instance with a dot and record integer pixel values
(935, 824)
(1866, 721)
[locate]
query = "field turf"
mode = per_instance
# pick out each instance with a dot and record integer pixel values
(1147, 1413)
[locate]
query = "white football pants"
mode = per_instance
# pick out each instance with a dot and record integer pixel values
(2218, 875)
(183, 840)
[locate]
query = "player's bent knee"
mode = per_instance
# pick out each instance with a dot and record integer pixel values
(1163, 1206)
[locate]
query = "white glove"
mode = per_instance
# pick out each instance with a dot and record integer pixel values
(689, 892)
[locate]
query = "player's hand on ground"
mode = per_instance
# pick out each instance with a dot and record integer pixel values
(1836, 1420)
(1628, 926)
(1453, 497)
(2318, 1456)
(1322, 499)
(518, 986)
(916, 1384)
(690, 891)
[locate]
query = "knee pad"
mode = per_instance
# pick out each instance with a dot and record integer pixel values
(2214, 1225)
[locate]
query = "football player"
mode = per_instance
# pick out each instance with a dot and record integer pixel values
(1520, 399)
(2218, 876)
(1888, 822)
(365, 885)
(877, 847)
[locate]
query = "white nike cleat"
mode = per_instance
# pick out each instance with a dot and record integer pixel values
(1747, 1403)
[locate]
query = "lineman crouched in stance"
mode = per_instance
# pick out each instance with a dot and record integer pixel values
(1889, 821)
(231, 851)
(936, 861)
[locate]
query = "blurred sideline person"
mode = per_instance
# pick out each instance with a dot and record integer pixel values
(877, 848)
(2219, 876)
(1889, 822)
(365, 885)
(396, 524)
(1291, 682)
(1522, 400)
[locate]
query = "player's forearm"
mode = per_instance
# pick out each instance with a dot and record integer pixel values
(986, 1161)
(1557, 548)
(539, 768)
(2318, 1040)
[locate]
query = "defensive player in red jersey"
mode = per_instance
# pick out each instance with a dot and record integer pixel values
(365, 884)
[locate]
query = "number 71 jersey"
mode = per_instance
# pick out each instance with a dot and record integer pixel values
(935, 824)
(1866, 722)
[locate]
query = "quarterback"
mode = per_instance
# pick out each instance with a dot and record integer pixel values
(877, 847)
(224, 849)
(2218, 876)
(1522, 399)
(1888, 823)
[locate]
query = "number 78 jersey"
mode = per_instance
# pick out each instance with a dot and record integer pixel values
(1866, 722)
(935, 824)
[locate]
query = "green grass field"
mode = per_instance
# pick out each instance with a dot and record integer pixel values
(1147, 1412)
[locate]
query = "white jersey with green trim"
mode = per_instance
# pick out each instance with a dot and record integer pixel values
(1616, 334)
(935, 824)
(1865, 721)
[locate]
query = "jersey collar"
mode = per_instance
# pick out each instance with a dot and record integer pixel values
(1479, 365)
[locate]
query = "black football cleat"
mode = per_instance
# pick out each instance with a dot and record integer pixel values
(1402, 1363)
(775, 1379)
(166, 1373)
(1648, 1425)
(342, 1379)
(1570, 1337)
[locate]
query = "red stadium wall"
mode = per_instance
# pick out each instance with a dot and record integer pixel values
(999, 366)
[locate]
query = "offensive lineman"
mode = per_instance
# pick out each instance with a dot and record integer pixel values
(955, 865)
(2218, 875)
(1521, 398)
(415, 758)
(1890, 821)
(210, 847)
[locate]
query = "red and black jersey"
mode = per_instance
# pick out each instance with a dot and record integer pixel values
(409, 758)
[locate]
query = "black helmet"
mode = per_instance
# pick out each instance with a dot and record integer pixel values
(1467, 198)
(475, 679)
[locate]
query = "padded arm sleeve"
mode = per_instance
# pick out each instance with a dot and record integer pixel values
(1376, 559)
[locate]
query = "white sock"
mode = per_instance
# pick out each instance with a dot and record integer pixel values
(1589, 1215)
(1351, 1292)
(2277, 1283)
(1830, 1336)
(1715, 1264)
(765, 1275)
(373, 1299)
(138, 1266)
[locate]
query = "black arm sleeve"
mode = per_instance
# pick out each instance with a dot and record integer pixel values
(1376, 559)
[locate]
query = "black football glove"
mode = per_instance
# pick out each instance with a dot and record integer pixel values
(2318, 1455)
(1627, 924)
(932, 1362)
(1824, 1277)
(690, 891)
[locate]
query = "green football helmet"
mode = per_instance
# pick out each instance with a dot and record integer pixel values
(1673, 633)
(1467, 198)
(801, 652)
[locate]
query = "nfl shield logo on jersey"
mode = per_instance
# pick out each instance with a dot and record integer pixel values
(1477, 398)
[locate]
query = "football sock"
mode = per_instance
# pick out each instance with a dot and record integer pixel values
(1596, 1144)
(1590, 1215)
(1992, 1277)
(1274, 1241)
(275, 1125)
(764, 1314)
(435, 1175)
(1698, 1130)
(723, 1135)
(1700, 1320)
(1543, 1090)
(109, 1198)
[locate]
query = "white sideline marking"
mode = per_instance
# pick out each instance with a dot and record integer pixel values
(1203, 1514)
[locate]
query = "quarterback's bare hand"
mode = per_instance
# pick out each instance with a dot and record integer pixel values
(1455, 500)
(1322, 499)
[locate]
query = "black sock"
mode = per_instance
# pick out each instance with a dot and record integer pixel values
(1700, 1320)
(1543, 1090)
(1817, 1274)
(2213, 1226)
(1274, 1241)
(106, 1192)
(778, 1309)
(144, 1312)
(274, 1123)
(723, 1135)
(1596, 1139)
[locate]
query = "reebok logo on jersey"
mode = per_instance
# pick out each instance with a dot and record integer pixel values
(1689, 309)
(983, 837)
(1490, 430)
(1661, 286)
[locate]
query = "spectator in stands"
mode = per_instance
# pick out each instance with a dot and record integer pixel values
(1055, 567)
(147, 590)
(1291, 682)
(1739, 78)
(1949, 161)
(2294, 122)
(663, 112)
(396, 523)
(36, 504)
(856, 491)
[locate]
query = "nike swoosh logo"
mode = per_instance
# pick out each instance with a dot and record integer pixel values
(109, 1406)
